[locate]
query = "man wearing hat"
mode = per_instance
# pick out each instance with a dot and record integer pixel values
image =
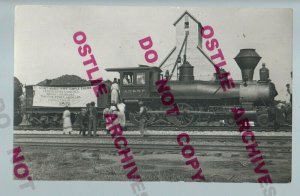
(92, 119)
(115, 92)
(87, 117)
(106, 111)
(82, 120)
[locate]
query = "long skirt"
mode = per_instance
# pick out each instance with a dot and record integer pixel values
(122, 119)
(114, 96)
(67, 126)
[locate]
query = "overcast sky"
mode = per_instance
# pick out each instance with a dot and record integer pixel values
(44, 47)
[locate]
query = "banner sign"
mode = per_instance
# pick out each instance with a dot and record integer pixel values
(46, 96)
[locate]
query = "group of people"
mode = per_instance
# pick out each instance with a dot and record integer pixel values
(118, 108)
(87, 120)
(88, 117)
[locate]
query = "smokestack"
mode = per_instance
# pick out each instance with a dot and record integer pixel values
(247, 60)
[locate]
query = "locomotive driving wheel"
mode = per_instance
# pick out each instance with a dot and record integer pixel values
(135, 117)
(150, 118)
(184, 119)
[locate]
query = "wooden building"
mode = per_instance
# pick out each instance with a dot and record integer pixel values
(188, 24)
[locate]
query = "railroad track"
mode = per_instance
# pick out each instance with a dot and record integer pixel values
(172, 128)
(154, 148)
(161, 143)
(156, 137)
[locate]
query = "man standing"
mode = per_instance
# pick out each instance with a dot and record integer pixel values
(142, 114)
(81, 119)
(106, 111)
(289, 91)
(92, 119)
(87, 118)
(288, 94)
(288, 106)
(115, 92)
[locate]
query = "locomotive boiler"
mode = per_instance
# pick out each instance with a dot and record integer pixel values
(260, 92)
(208, 96)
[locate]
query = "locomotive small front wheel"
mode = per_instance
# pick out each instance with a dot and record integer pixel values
(263, 120)
(230, 122)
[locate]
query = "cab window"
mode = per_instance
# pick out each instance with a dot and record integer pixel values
(140, 79)
(127, 78)
(154, 76)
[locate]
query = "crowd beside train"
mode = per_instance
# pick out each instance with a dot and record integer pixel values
(88, 118)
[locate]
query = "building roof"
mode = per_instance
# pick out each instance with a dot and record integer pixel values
(65, 80)
(186, 12)
(140, 67)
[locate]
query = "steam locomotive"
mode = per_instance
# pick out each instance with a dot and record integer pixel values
(200, 102)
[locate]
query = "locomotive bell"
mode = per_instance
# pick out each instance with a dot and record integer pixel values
(247, 60)
(186, 72)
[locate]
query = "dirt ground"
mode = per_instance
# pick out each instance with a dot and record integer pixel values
(93, 165)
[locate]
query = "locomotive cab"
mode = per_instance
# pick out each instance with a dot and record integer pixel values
(137, 82)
